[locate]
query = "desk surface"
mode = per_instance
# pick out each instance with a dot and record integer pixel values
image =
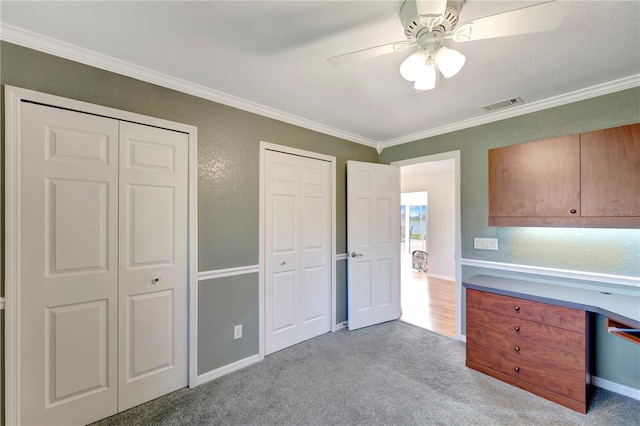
(624, 308)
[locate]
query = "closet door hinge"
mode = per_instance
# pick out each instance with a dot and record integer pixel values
(1, 303)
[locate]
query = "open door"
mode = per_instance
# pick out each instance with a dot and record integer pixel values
(373, 240)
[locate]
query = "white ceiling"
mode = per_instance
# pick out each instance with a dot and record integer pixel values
(270, 57)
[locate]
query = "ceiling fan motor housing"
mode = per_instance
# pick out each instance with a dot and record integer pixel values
(415, 31)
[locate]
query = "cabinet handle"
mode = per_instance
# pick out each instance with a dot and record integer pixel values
(516, 308)
(516, 369)
(155, 280)
(573, 211)
(517, 349)
(516, 329)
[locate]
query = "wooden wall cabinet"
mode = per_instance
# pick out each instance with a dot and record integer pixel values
(586, 180)
(535, 346)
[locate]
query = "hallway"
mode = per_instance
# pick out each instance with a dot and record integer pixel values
(427, 302)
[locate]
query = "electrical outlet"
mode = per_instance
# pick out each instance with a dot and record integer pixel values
(237, 331)
(485, 243)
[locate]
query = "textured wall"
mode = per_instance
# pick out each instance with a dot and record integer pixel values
(608, 251)
(223, 304)
(228, 193)
(593, 250)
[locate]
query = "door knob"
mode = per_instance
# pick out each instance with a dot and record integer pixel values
(354, 254)
(155, 280)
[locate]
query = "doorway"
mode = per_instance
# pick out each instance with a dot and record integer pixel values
(431, 293)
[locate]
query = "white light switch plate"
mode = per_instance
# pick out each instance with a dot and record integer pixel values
(237, 331)
(485, 243)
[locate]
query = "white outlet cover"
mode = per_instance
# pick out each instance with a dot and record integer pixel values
(485, 243)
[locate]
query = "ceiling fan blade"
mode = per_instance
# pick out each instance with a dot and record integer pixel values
(361, 55)
(532, 19)
(431, 12)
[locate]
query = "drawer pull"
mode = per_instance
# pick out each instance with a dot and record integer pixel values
(516, 308)
(517, 349)
(516, 329)
(516, 369)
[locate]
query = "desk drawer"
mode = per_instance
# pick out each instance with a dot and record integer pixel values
(485, 326)
(527, 349)
(556, 316)
(570, 387)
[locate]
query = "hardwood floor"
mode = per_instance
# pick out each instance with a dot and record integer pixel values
(427, 302)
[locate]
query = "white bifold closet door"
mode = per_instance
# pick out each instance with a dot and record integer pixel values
(103, 304)
(297, 249)
(153, 263)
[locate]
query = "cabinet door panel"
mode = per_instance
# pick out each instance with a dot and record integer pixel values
(539, 178)
(610, 172)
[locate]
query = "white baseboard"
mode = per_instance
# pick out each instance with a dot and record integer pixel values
(441, 277)
(616, 387)
(229, 368)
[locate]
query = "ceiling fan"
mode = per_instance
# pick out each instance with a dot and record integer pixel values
(427, 23)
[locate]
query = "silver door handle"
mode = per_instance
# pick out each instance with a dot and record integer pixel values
(354, 254)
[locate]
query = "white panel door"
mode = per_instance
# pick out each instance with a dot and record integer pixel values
(69, 270)
(153, 263)
(373, 239)
(297, 249)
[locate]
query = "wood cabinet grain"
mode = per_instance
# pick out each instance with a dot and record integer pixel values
(536, 346)
(584, 180)
(557, 316)
(539, 178)
(610, 172)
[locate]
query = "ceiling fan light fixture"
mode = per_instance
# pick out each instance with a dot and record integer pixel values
(427, 79)
(411, 68)
(449, 61)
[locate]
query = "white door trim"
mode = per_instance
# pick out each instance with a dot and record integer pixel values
(265, 146)
(455, 155)
(13, 98)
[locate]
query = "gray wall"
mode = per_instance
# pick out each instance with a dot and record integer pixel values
(608, 251)
(228, 196)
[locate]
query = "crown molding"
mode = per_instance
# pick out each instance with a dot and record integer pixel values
(567, 98)
(32, 40)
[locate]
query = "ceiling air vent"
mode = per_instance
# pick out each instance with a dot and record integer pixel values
(507, 103)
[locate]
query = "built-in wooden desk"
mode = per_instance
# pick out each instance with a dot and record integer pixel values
(536, 336)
